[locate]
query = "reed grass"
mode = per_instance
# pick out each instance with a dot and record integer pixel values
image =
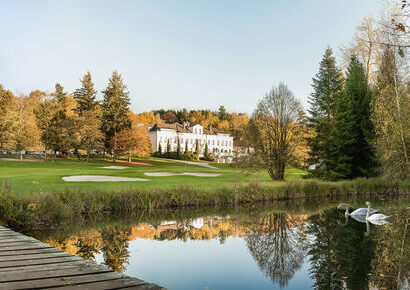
(50, 209)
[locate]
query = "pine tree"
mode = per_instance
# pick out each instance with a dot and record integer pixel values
(353, 133)
(327, 87)
(85, 96)
(58, 121)
(160, 148)
(115, 108)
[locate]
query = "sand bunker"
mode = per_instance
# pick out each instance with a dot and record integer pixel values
(200, 174)
(115, 167)
(202, 164)
(86, 178)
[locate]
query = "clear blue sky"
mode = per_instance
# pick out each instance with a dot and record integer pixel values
(174, 53)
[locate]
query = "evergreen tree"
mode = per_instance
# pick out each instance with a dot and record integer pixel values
(222, 114)
(353, 132)
(178, 148)
(159, 148)
(168, 148)
(206, 153)
(85, 96)
(56, 132)
(186, 147)
(115, 109)
(327, 87)
(197, 147)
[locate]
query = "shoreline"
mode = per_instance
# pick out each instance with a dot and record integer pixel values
(46, 209)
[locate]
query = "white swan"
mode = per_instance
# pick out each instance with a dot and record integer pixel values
(378, 218)
(358, 212)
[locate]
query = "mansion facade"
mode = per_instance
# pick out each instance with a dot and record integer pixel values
(219, 143)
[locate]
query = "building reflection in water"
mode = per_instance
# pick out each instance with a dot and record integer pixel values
(340, 254)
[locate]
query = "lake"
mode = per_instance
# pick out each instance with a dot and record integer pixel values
(293, 245)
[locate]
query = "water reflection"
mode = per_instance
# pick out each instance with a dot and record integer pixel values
(332, 251)
(339, 255)
(278, 245)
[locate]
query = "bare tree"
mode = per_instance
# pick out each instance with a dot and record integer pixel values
(272, 129)
(365, 46)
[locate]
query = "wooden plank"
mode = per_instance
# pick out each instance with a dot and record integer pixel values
(38, 262)
(128, 283)
(55, 266)
(39, 256)
(24, 247)
(17, 239)
(61, 281)
(26, 263)
(40, 274)
(28, 252)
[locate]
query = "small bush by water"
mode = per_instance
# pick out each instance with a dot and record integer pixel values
(52, 208)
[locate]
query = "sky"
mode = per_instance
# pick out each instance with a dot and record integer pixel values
(173, 54)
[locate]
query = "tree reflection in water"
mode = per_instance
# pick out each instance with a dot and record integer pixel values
(391, 264)
(342, 253)
(340, 256)
(86, 249)
(115, 247)
(278, 246)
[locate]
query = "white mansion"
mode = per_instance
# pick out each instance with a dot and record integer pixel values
(219, 143)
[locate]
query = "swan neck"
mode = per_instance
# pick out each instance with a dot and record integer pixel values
(368, 211)
(347, 210)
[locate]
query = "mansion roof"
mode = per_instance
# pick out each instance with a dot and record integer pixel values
(181, 129)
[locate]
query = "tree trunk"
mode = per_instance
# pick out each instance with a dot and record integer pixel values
(21, 154)
(115, 146)
(129, 157)
(88, 155)
(396, 91)
(277, 172)
(45, 152)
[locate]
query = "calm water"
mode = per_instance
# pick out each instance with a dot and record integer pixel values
(302, 245)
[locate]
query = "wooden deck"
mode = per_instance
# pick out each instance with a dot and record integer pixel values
(26, 263)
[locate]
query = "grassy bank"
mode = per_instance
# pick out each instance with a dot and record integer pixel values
(48, 209)
(46, 176)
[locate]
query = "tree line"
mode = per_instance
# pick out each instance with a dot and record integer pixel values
(62, 122)
(358, 124)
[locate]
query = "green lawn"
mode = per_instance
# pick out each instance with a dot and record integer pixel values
(28, 176)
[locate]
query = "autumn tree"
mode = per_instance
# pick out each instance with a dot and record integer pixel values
(272, 129)
(115, 110)
(90, 133)
(169, 117)
(115, 247)
(366, 46)
(6, 98)
(391, 116)
(44, 118)
(134, 141)
(21, 125)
